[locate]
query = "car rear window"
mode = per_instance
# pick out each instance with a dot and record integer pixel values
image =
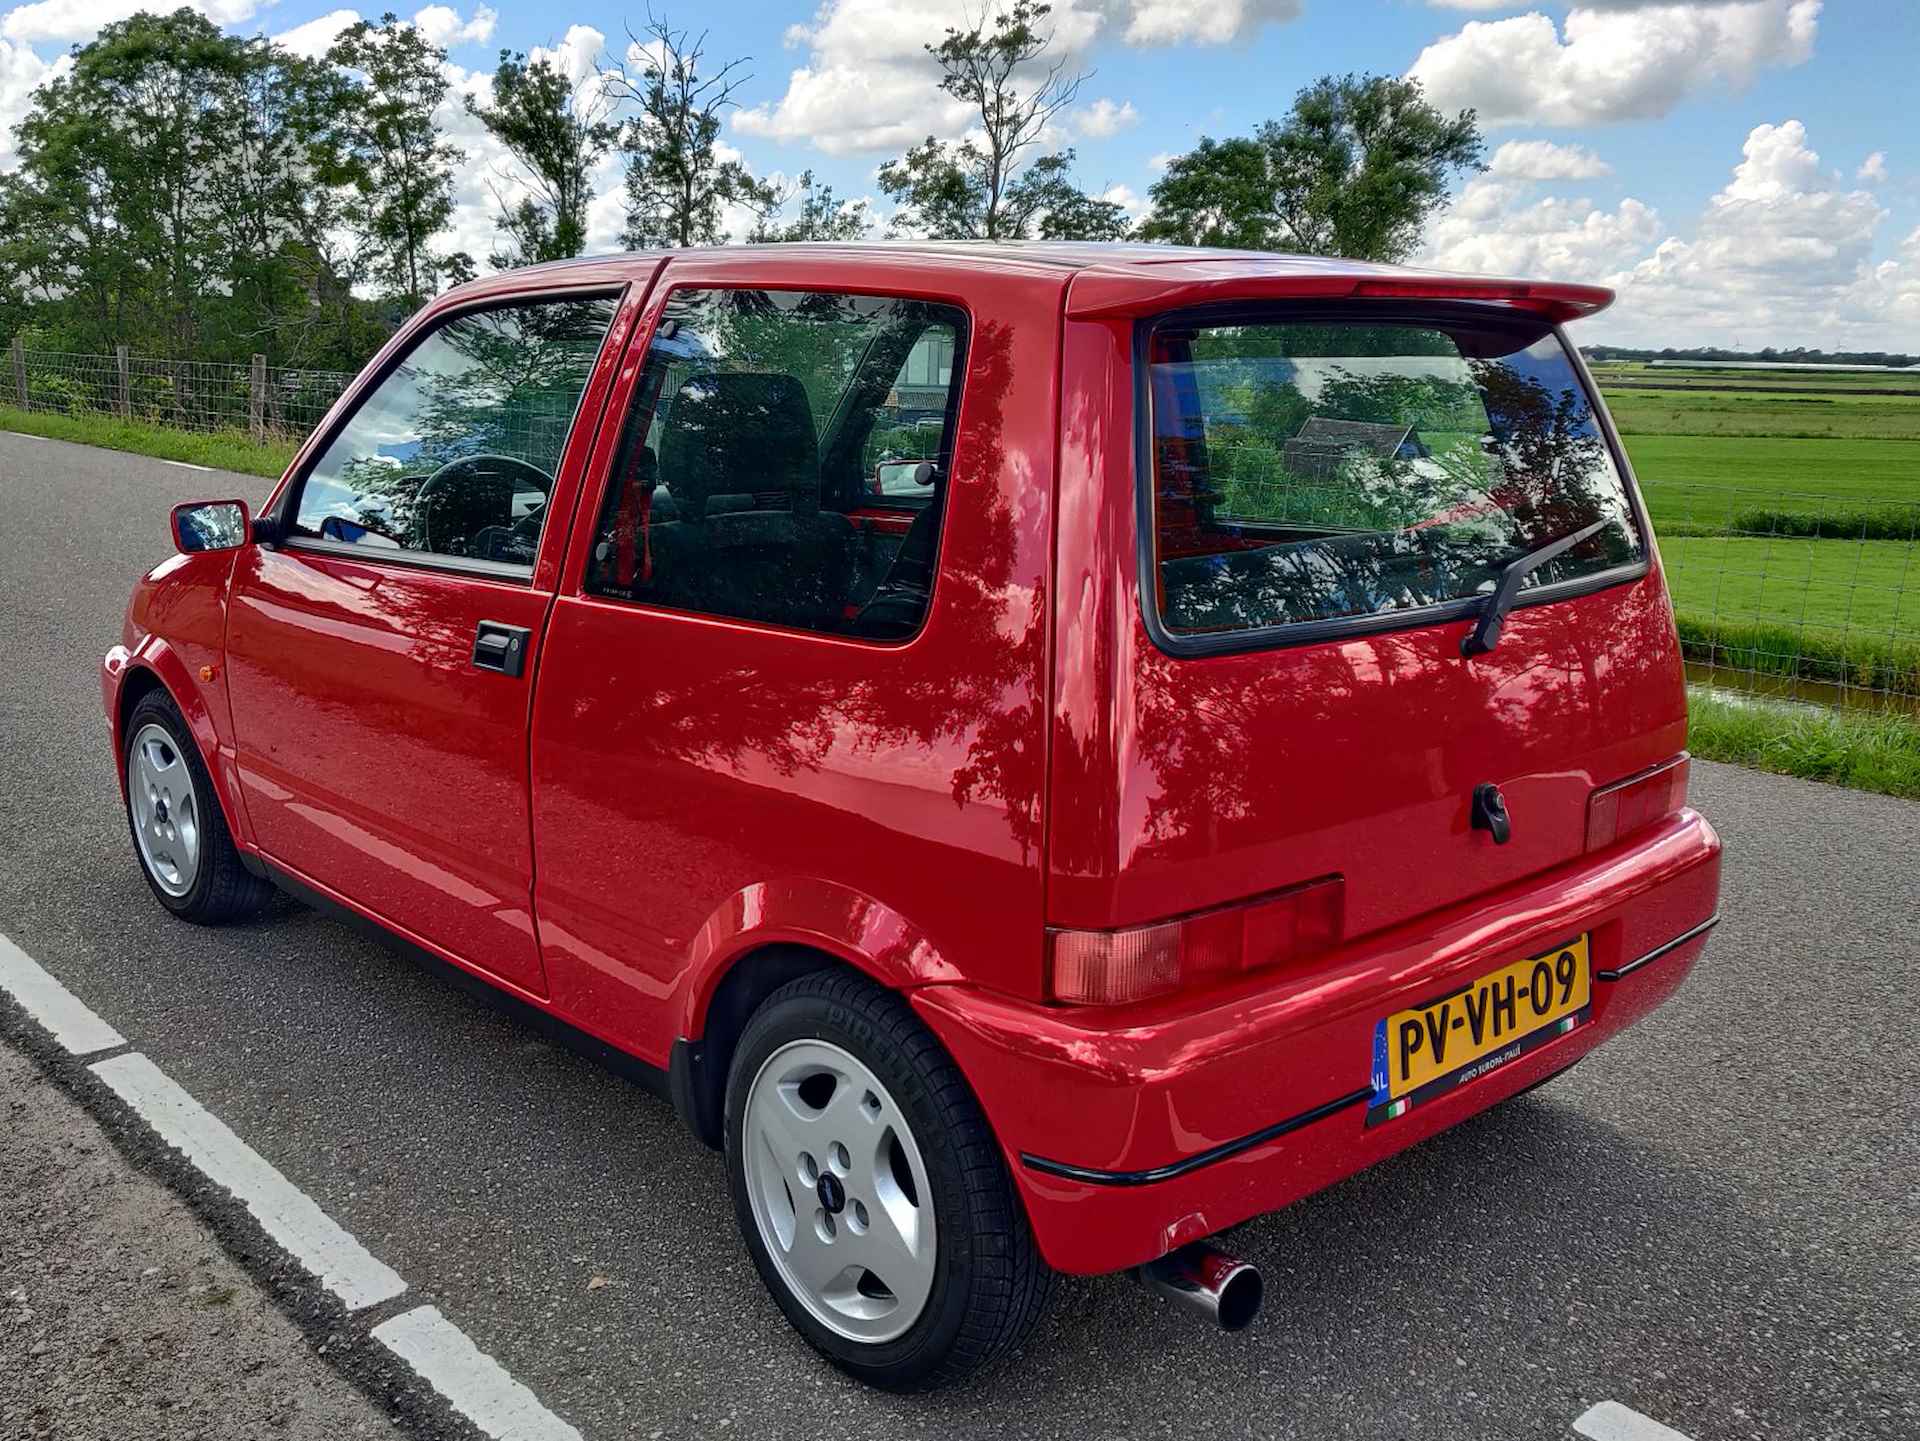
(1320, 471)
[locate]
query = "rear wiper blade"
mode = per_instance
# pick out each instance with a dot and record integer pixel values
(1486, 633)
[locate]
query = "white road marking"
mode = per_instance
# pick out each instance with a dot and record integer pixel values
(473, 1382)
(73, 1023)
(1610, 1421)
(343, 1265)
(479, 1388)
(22, 435)
(186, 465)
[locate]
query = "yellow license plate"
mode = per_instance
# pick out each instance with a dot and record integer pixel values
(1426, 1051)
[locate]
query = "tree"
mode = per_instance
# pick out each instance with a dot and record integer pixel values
(558, 132)
(400, 166)
(678, 184)
(822, 216)
(1357, 168)
(991, 189)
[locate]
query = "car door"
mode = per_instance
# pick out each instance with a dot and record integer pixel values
(380, 656)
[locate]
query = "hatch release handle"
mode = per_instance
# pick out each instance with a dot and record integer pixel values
(1490, 812)
(1486, 633)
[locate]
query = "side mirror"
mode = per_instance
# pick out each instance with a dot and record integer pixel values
(210, 525)
(902, 477)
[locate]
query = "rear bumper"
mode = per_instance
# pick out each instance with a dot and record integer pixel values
(1135, 1130)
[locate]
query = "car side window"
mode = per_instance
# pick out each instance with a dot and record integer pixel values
(454, 453)
(769, 433)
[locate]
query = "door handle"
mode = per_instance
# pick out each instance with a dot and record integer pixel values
(501, 647)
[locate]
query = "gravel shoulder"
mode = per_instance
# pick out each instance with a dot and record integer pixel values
(121, 1316)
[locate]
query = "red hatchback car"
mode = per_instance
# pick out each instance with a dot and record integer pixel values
(1043, 752)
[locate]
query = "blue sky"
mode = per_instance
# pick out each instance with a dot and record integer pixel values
(1745, 171)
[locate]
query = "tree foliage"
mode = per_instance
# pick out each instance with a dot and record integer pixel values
(1357, 168)
(397, 163)
(558, 132)
(821, 215)
(679, 183)
(177, 191)
(992, 188)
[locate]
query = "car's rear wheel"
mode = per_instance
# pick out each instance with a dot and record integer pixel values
(871, 1192)
(179, 833)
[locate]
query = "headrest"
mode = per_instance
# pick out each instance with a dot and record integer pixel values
(729, 432)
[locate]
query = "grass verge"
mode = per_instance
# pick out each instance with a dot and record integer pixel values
(1867, 752)
(1830, 658)
(223, 450)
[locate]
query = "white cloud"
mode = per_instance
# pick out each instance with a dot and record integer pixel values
(1161, 159)
(1500, 227)
(83, 19)
(1103, 118)
(868, 83)
(577, 56)
(21, 73)
(1873, 168)
(1210, 22)
(1127, 199)
(443, 26)
(316, 37)
(1613, 62)
(1544, 160)
(1782, 254)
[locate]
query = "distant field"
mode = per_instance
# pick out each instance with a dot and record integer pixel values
(1860, 587)
(1783, 415)
(1704, 479)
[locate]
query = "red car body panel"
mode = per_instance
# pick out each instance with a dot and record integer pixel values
(665, 794)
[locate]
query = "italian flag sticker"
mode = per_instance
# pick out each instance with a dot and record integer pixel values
(1397, 1109)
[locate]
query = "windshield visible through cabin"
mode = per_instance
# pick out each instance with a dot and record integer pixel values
(1317, 470)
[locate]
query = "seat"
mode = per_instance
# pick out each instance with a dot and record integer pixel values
(741, 459)
(899, 603)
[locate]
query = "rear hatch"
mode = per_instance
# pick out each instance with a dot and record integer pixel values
(1330, 496)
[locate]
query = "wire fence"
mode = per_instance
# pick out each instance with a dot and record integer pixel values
(1801, 595)
(267, 402)
(1810, 597)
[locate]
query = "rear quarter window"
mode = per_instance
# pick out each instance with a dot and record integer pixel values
(1304, 473)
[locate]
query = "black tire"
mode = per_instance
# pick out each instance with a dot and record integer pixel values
(222, 889)
(990, 1285)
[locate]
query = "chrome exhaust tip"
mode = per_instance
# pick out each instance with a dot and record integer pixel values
(1209, 1283)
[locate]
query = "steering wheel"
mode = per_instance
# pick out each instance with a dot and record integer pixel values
(506, 466)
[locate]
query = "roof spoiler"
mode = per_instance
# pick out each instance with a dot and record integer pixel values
(1114, 294)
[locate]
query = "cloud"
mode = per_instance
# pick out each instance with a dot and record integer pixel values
(21, 73)
(444, 27)
(1500, 227)
(83, 19)
(1873, 168)
(868, 84)
(1614, 62)
(1104, 118)
(1782, 254)
(1127, 199)
(1210, 22)
(316, 37)
(1544, 160)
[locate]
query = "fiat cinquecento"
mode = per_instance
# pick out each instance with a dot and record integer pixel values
(1043, 753)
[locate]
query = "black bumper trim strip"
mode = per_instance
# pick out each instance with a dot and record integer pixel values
(1658, 951)
(1203, 1158)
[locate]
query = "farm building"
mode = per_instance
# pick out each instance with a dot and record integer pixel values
(1323, 445)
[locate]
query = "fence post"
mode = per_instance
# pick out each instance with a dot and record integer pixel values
(257, 398)
(20, 369)
(125, 397)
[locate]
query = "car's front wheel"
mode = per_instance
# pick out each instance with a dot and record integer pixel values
(871, 1192)
(179, 833)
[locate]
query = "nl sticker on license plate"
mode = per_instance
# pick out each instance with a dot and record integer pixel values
(1424, 1052)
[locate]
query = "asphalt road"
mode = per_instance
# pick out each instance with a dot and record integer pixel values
(1714, 1221)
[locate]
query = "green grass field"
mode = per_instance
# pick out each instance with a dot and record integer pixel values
(224, 450)
(1868, 587)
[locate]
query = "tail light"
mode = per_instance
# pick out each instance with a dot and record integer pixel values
(1110, 968)
(1617, 811)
